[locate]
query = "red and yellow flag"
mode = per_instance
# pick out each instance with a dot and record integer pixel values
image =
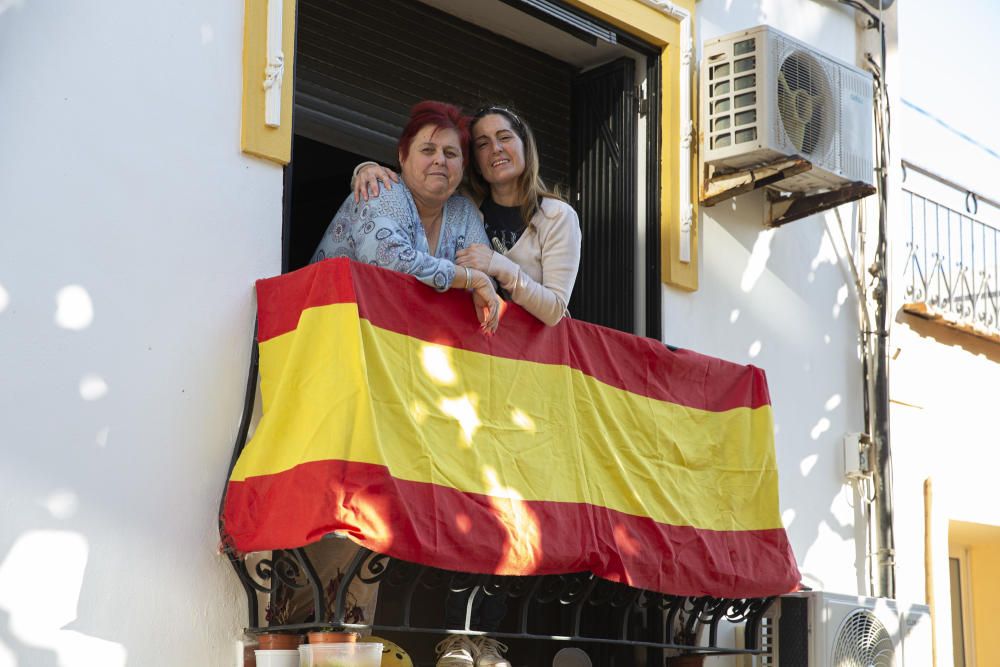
(388, 416)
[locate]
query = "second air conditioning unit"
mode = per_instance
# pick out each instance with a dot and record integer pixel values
(765, 96)
(820, 629)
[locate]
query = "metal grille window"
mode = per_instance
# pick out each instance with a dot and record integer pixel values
(952, 268)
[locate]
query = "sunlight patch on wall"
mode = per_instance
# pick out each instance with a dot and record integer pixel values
(40, 582)
(754, 349)
(61, 503)
(758, 260)
(734, 315)
(4, 299)
(787, 517)
(807, 464)
(841, 300)
(826, 254)
(74, 309)
(832, 403)
(821, 427)
(102, 437)
(93, 387)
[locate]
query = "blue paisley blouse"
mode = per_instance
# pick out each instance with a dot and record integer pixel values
(386, 231)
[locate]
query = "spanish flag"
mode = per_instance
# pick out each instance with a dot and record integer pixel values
(388, 416)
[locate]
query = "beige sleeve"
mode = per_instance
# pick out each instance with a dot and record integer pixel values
(559, 239)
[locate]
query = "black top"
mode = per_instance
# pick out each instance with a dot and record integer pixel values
(503, 224)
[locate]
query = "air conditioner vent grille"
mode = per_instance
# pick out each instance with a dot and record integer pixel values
(807, 95)
(863, 641)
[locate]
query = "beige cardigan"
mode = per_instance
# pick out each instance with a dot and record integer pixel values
(540, 270)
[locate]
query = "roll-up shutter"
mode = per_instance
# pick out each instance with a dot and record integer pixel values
(360, 66)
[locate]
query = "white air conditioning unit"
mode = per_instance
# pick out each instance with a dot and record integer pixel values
(819, 629)
(765, 96)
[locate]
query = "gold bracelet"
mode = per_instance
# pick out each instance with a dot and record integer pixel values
(468, 278)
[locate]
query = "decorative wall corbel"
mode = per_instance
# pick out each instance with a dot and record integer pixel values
(275, 69)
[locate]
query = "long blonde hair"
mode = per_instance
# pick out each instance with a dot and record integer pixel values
(530, 186)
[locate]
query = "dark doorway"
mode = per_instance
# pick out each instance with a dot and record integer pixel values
(320, 184)
(357, 74)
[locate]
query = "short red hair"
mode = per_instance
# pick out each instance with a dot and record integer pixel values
(442, 116)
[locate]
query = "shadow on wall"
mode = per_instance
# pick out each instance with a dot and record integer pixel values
(13, 651)
(945, 335)
(40, 582)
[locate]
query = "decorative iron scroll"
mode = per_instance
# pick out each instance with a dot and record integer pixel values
(570, 607)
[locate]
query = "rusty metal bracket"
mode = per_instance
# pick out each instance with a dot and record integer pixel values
(783, 208)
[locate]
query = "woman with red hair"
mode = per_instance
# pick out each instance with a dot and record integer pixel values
(420, 225)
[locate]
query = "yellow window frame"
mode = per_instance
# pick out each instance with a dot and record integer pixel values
(653, 21)
(256, 137)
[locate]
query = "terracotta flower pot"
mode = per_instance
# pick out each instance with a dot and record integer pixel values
(325, 637)
(278, 641)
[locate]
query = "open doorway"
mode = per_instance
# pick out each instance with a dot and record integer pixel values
(577, 82)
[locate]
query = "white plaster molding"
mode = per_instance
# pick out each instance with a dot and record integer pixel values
(668, 8)
(684, 251)
(275, 70)
(686, 128)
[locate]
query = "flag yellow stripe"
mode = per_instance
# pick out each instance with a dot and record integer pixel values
(482, 424)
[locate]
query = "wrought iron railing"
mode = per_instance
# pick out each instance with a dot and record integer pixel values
(553, 607)
(952, 268)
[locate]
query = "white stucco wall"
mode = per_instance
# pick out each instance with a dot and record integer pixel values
(132, 231)
(782, 300)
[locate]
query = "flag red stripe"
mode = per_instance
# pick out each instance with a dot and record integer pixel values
(440, 526)
(639, 365)
(280, 300)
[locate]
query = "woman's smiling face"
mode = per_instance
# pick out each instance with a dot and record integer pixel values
(433, 168)
(499, 151)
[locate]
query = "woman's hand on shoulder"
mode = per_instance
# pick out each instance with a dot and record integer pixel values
(477, 256)
(366, 183)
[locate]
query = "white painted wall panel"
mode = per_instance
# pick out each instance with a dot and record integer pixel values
(121, 174)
